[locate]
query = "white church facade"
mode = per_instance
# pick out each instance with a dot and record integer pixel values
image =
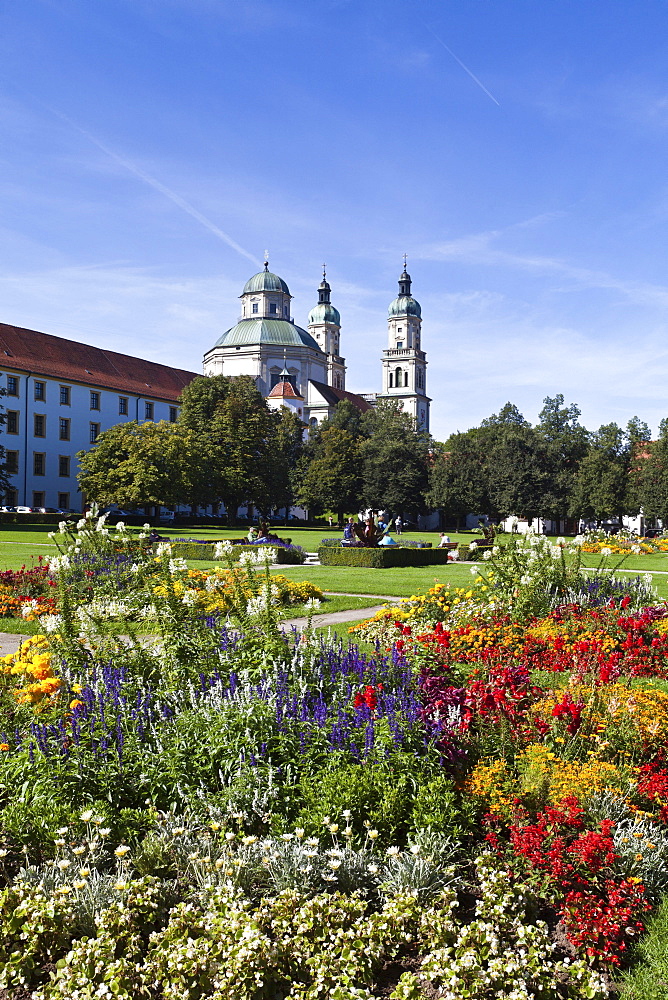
(304, 368)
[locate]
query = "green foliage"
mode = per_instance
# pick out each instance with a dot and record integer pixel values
(330, 471)
(133, 464)
(395, 459)
(648, 977)
(382, 557)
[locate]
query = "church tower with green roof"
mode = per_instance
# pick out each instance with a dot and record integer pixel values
(404, 362)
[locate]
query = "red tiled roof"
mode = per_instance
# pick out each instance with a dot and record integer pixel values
(54, 357)
(334, 396)
(284, 390)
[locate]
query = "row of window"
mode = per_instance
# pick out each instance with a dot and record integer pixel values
(39, 423)
(39, 427)
(38, 499)
(38, 463)
(66, 398)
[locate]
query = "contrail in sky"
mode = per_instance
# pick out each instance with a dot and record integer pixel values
(465, 68)
(158, 186)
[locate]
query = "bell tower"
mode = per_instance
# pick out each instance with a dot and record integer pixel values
(404, 362)
(324, 325)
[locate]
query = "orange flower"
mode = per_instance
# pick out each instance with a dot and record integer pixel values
(4, 747)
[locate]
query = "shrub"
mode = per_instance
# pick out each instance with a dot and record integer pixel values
(381, 558)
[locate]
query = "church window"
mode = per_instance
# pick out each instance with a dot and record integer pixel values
(391, 380)
(272, 309)
(285, 310)
(400, 329)
(255, 307)
(406, 378)
(397, 377)
(400, 345)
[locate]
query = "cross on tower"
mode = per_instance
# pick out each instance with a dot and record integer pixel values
(405, 259)
(266, 260)
(324, 271)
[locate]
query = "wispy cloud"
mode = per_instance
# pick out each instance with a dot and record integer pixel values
(480, 249)
(157, 185)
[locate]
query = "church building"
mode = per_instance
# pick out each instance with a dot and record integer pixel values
(304, 369)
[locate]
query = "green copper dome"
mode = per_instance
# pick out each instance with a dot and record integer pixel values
(277, 332)
(265, 281)
(404, 305)
(324, 312)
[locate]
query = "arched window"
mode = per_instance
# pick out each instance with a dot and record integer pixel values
(397, 377)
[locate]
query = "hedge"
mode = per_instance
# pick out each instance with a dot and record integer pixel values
(381, 558)
(190, 549)
(466, 552)
(403, 543)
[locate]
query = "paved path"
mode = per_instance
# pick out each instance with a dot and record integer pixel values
(10, 642)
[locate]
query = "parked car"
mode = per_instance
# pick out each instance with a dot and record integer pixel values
(26, 510)
(653, 532)
(8, 510)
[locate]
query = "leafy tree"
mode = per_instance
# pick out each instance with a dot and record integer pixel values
(330, 472)
(601, 484)
(234, 429)
(135, 464)
(651, 475)
(286, 446)
(567, 443)
(395, 457)
(457, 477)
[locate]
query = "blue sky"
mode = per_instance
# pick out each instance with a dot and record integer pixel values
(514, 149)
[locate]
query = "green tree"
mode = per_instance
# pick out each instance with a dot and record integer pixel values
(652, 475)
(286, 447)
(330, 471)
(567, 442)
(458, 475)
(601, 487)
(135, 464)
(395, 458)
(235, 430)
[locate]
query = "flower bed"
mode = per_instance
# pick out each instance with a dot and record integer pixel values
(475, 808)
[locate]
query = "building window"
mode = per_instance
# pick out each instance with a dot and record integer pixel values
(123, 405)
(255, 307)
(12, 460)
(273, 309)
(406, 377)
(95, 401)
(40, 391)
(391, 380)
(63, 466)
(94, 431)
(173, 414)
(12, 385)
(40, 425)
(64, 395)
(400, 345)
(12, 421)
(38, 498)
(64, 428)
(64, 501)
(397, 377)
(38, 463)
(148, 411)
(12, 497)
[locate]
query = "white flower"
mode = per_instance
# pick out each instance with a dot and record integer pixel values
(79, 850)
(312, 604)
(334, 863)
(487, 554)
(372, 834)
(121, 850)
(393, 851)
(87, 816)
(222, 550)
(605, 551)
(64, 864)
(189, 598)
(473, 546)
(120, 526)
(473, 570)
(105, 831)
